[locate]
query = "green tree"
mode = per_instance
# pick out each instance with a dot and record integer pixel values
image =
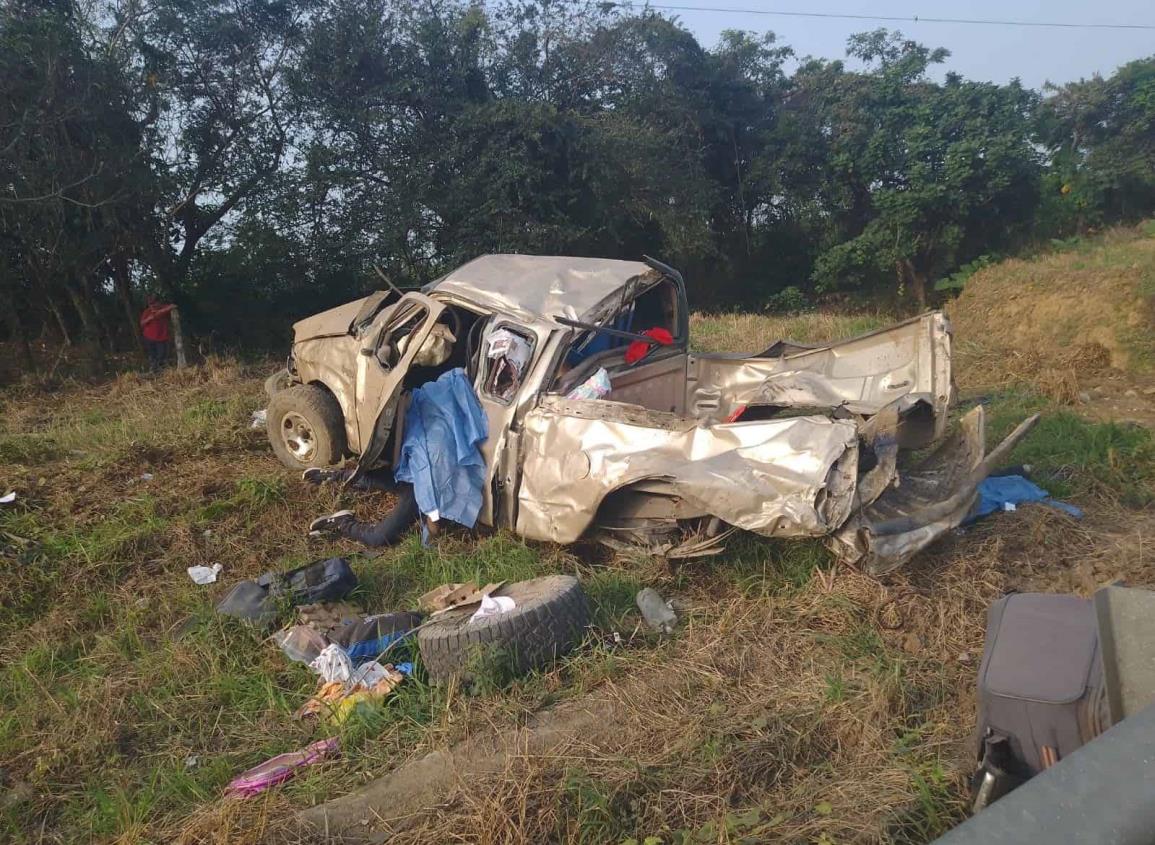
(70, 173)
(218, 110)
(1100, 134)
(926, 176)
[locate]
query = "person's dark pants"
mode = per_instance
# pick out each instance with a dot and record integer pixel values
(394, 525)
(156, 350)
(374, 480)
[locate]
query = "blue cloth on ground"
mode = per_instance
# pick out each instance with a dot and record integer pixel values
(359, 652)
(439, 454)
(995, 492)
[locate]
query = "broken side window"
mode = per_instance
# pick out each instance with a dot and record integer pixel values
(508, 353)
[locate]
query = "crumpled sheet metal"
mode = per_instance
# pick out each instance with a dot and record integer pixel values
(908, 361)
(929, 501)
(784, 478)
(541, 286)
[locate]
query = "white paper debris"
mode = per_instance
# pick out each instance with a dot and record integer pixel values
(191, 761)
(146, 476)
(260, 418)
(8, 498)
(492, 606)
(1009, 506)
(369, 674)
(204, 574)
(333, 664)
(597, 386)
(513, 348)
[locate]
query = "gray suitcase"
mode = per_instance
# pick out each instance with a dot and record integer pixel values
(1041, 690)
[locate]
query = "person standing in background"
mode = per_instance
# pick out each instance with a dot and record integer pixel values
(155, 328)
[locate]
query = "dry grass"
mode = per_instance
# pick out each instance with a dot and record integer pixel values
(824, 713)
(1062, 318)
(790, 707)
(751, 333)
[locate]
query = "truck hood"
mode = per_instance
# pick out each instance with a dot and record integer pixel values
(332, 323)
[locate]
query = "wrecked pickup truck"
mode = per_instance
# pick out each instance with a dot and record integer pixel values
(680, 448)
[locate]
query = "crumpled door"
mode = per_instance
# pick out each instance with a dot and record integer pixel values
(782, 478)
(388, 347)
(910, 361)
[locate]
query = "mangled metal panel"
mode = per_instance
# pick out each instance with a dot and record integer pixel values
(786, 478)
(332, 323)
(928, 501)
(539, 285)
(909, 361)
(325, 360)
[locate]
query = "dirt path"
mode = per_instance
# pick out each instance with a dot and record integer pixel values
(1115, 396)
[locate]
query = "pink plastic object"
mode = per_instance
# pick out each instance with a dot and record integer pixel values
(280, 768)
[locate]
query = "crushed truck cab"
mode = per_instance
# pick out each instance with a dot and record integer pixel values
(679, 448)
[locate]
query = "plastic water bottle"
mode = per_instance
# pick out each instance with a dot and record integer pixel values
(655, 611)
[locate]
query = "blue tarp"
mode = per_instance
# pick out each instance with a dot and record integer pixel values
(997, 491)
(439, 455)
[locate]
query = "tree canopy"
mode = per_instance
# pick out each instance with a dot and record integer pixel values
(254, 160)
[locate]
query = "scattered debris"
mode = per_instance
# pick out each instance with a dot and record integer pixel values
(259, 601)
(259, 419)
(369, 638)
(204, 574)
(328, 617)
(597, 386)
(370, 674)
(1004, 492)
(492, 606)
(337, 700)
(280, 768)
(300, 643)
(8, 498)
(656, 611)
(191, 761)
(333, 664)
(449, 596)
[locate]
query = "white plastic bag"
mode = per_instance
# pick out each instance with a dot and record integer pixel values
(492, 606)
(204, 574)
(333, 664)
(597, 386)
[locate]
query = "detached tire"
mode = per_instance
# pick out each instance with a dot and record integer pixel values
(306, 427)
(549, 618)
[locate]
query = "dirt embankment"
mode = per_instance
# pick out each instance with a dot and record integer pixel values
(1077, 324)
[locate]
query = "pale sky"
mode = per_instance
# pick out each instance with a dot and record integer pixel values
(994, 53)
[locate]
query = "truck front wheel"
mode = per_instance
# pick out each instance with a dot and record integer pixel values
(306, 427)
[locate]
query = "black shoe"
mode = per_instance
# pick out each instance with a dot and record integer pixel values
(329, 524)
(319, 476)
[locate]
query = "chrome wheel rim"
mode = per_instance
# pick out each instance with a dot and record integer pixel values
(298, 437)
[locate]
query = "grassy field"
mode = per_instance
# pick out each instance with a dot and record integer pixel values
(796, 703)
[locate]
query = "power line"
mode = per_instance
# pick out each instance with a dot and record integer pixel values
(890, 18)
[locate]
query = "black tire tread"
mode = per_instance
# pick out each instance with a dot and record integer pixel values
(319, 407)
(549, 619)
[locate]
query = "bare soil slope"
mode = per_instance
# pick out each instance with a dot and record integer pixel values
(1077, 323)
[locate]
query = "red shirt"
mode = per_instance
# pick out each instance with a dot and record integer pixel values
(154, 322)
